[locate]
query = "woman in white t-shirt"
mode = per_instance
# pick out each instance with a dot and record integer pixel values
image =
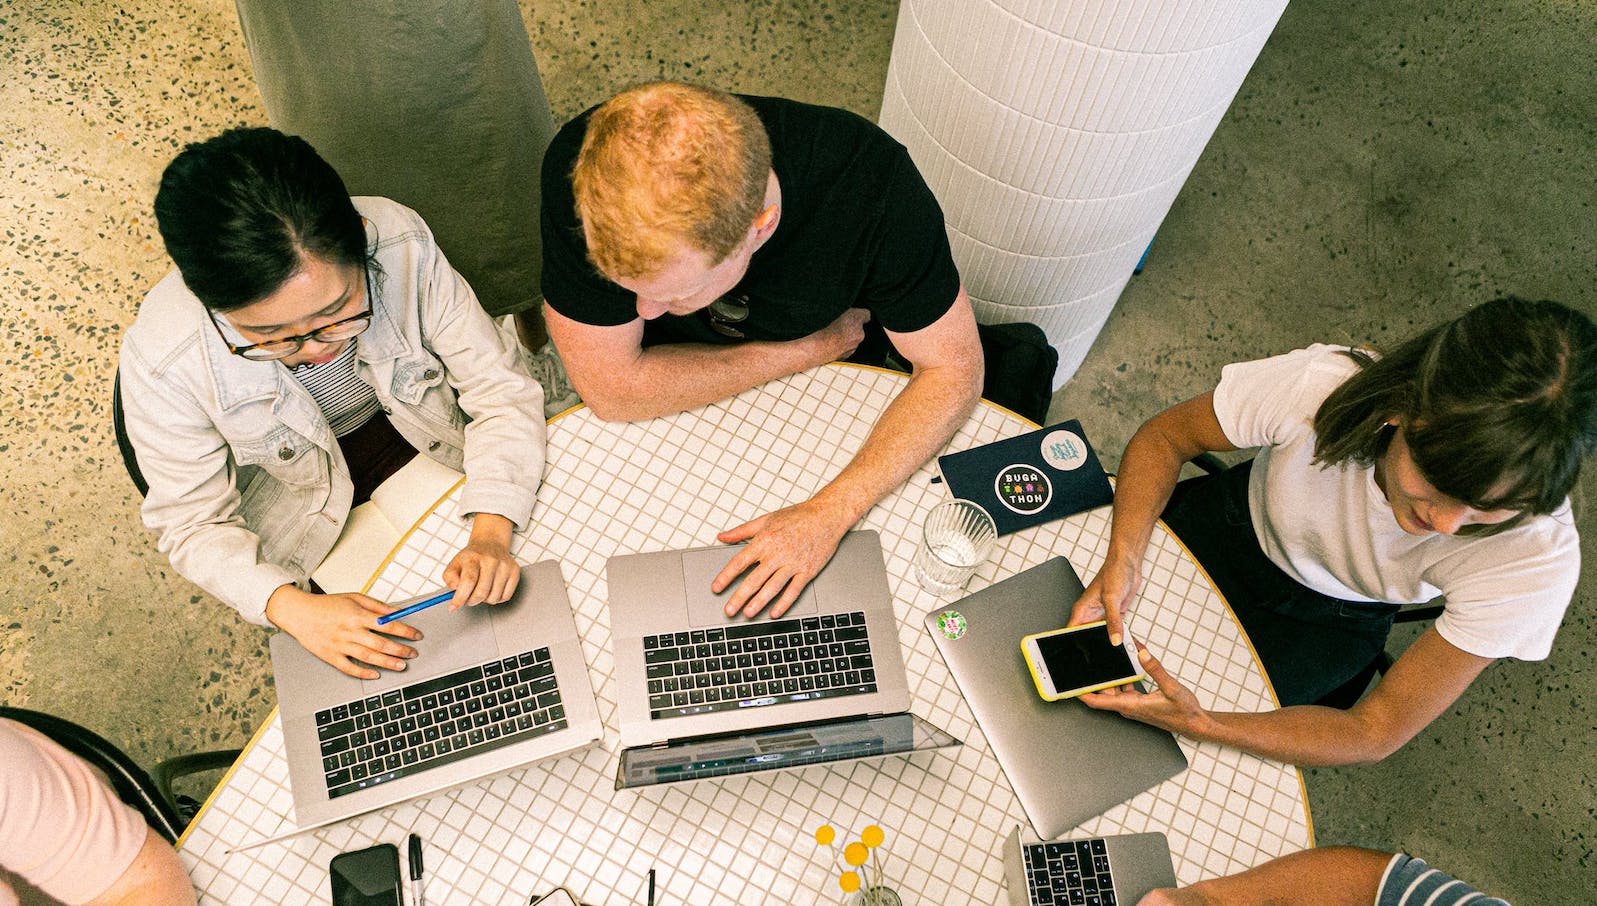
(1440, 469)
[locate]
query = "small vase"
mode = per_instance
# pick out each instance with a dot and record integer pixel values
(876, 896)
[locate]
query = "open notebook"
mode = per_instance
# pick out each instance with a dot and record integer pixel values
(376, 526)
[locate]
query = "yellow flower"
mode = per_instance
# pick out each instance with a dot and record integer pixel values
(824, 835)
(849, 881)
(872, 836)
(855, 854)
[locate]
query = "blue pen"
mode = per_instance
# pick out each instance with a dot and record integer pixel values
(439, 598)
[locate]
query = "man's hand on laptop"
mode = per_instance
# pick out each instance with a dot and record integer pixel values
(1171, 706)
(786, 550)
(342, 630)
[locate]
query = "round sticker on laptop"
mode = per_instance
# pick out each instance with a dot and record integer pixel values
(1064, 450)
(951, 623)
(1022, 488)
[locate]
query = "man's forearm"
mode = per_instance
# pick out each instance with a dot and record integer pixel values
(915, 425)
(676, 377)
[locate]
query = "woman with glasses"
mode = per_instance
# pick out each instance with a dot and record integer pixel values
(307, 346)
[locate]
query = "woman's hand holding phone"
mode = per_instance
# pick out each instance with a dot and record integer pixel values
(1108, 596)
(1171, 706)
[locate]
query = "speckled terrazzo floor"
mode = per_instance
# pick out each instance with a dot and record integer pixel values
(1381, 169)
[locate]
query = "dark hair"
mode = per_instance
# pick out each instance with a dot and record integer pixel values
(1497, 406)
(238, 213)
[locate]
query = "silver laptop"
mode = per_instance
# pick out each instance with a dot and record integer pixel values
(1065, 761)
(1118, 869)
(494, 687)
(702, 695)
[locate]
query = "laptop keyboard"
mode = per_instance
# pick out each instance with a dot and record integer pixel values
(438, 721)
(758, 663)
(1074, 872)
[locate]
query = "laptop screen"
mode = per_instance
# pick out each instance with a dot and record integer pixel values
(778, 748)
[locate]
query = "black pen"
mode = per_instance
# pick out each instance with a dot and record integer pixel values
(651, 887)
(417, 886)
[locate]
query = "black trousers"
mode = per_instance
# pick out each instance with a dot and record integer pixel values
(1310, 643)
(374, 452)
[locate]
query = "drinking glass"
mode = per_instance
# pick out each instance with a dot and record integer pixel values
(957, 537)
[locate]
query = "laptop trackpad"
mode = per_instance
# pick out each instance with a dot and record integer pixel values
(451, 641)
(699, 569)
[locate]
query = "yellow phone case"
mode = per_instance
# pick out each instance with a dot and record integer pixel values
(1037, 679)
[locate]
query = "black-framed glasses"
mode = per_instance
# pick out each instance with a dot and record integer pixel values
(287, 346)
(727, 312)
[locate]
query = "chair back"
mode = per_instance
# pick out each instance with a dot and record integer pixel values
(123, 442)
(133, 786)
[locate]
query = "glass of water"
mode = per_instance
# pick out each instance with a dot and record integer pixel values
(957, 537)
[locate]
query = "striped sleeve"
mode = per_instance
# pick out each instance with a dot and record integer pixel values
(1410, 882)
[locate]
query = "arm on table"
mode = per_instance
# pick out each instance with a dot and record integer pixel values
(1331, 876)
(1424, 682)
(789, 547)
(1148, 472)
(621, 381)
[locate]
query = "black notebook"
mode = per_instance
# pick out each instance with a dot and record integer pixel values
(1027, 480)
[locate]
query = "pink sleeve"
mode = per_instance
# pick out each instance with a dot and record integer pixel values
(65, 830)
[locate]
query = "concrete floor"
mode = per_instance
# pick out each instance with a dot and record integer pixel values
(1383, 167)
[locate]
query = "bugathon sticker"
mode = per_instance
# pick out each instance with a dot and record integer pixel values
(1022, 488)
(951, 623)
(1064, 450)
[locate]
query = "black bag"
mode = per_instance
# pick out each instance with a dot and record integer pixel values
(1019, 372)
(1020, 368)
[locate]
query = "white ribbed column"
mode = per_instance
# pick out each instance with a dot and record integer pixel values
(1056, 134)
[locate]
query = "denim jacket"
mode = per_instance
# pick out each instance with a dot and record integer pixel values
(248, 487)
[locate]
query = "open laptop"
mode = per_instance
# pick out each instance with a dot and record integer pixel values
(1065, 761)
(1118, 869)
(702, 695)
(494, 687)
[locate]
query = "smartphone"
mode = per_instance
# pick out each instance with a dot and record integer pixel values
(1075, 660)
(366, 877)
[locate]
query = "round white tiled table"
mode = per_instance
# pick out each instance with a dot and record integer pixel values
(675, 482)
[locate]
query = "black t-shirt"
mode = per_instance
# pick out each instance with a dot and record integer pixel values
(859, 228)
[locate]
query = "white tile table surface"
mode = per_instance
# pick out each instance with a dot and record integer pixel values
(675, 482)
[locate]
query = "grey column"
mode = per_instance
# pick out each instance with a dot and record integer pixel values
(436, 104)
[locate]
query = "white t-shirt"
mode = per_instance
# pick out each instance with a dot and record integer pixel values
(1332, 529)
